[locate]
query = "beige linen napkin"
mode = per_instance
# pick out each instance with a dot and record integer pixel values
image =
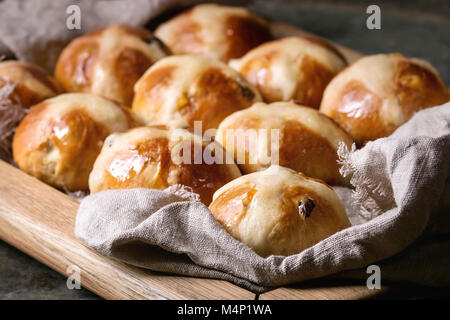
(401, 193)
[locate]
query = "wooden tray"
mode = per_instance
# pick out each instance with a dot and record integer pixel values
(39, 220)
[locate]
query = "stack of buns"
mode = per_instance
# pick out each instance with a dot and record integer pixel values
(272, 115)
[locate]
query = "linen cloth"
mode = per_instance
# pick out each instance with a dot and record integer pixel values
(401, 194)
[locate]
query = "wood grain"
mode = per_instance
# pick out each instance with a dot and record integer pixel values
(323, 290)
(39, 220)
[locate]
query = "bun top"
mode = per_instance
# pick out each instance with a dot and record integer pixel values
(108, 61)
(217, 31)
(59, 139)
(378, 93)
(179, 90)
(307, 139)
(278, 211)
(30, 83)
(157, 157)
(293, 68)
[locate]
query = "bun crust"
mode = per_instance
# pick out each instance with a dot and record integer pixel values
(308, 140)
(145, 158)
(278, 211)
(59, 139)
(377, 94)
(179, 90)
(108, 62)
(30, 84)
(294, 68)
(213, 30)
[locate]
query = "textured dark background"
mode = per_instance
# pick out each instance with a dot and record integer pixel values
(416, 28)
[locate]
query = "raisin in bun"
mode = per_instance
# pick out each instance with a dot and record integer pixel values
(278, 211)
(294, 68)
(377, 94)
(108, 61)
(179, 90)
(157, 157)
(217, 31)
(60, 138)
(304, 140)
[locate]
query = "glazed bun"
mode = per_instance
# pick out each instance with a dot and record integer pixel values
(179, 90)
(29, 84)
(279, 211)
(59, 139)
(294, 68)
(157, 157)
(377, 94)
(108, 61)
(307, 140)
(217, 31)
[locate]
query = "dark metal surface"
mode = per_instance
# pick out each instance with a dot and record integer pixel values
(22, 277)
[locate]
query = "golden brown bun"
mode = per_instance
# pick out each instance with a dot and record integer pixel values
(179, 90)
(278, 211)
(30, 84)
(149, 157)
(217, 31)
(294, 68)
(375, 95)
(308, 140)
(59, 139)
(108, 62)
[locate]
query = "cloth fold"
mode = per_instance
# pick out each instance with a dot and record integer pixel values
(401, 193)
